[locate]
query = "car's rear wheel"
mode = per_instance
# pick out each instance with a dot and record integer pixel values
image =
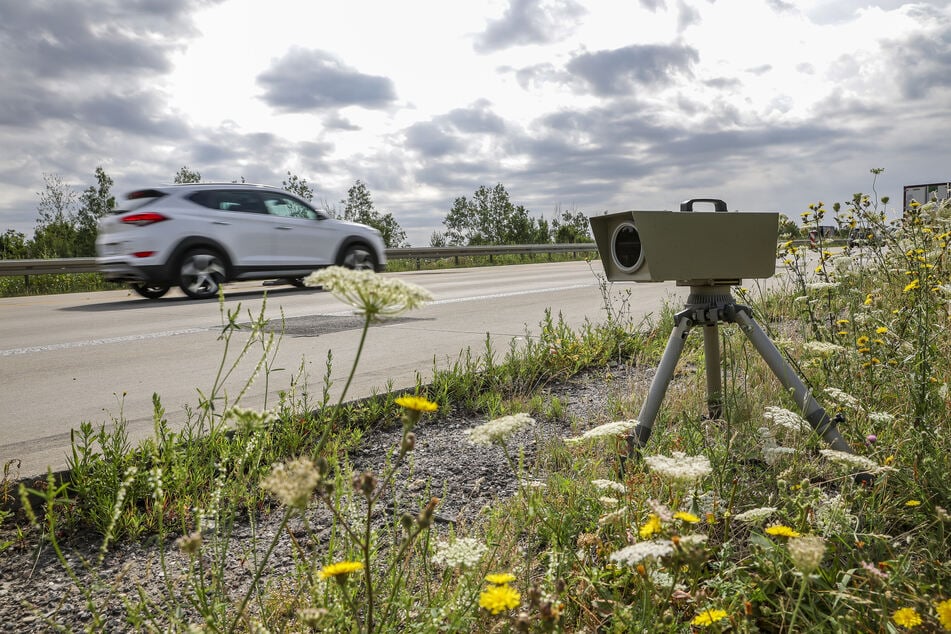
(358, 257)
(201, 273)
(150, 291)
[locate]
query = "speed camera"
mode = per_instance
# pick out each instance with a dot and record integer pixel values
(694, 248)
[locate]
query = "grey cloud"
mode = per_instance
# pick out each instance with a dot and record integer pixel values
(618, 72)
(314, 80)
(477, 119)
(529, 22)
(688, 16)
(448, 133)
(652, 5)
(334, 121)
(922, 65)
(431, 139)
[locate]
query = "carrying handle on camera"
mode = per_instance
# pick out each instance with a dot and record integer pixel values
(718, 205)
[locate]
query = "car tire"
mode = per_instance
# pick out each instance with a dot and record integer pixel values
(358, 257)
(150, 291)
(201, 273)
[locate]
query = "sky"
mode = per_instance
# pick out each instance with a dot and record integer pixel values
(572, 105)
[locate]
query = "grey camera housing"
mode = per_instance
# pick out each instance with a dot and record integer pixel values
(692, 248)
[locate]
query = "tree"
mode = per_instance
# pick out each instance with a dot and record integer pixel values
(13, 245)
(55, 233)
(185, 175)
(491, 218)
(298, 186)
(95, 203)
(358, 207)
(571, 228)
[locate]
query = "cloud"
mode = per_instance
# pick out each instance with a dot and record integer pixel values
(530, 22)
(305, 80)
(620, 71)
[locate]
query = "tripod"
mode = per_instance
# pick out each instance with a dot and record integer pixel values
(707, 305)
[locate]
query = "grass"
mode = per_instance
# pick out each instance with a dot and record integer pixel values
(744, 524)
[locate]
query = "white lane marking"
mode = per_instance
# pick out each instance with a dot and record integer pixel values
(190, 331)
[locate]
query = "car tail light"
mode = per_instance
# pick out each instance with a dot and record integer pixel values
(143, 218)
(143, 254)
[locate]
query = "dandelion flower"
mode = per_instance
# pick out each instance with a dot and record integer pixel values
(806, 552)
(912, 285)
(500, 578)
(679, 467)
(684, 516)
(293, 483)
(651, 526)
(499, 598)
(944, 613)
(616, 428)
(906, 617)
(416, 403)
(498, 430)
(913, 503)
(781, 530)
(609, 485)
(709, 617)
(370, 294)
(464, 552)
(340, 569)
(642, 551)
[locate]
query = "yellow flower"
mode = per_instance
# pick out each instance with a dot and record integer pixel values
(881, 330)
(690, 518)
(500, 578)
(709, 617)
(868, 299)
(944, 613)
(913, 503)
(862, 341)
(500, 598)
(416, 403)
(780, 530)
(652, 526)
(340, 569)
(912, 285)
(906, 617)
(889, 460)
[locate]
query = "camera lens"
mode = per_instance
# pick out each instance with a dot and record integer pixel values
(626, 248)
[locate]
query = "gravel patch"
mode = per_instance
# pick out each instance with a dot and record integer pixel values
(37, 595)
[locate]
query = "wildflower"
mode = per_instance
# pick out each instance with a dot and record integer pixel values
(842, 398)
(785, 418)
(614, 517)
(189, 544)
(882, 418)
(636, 553)
(609, 485)
(821, 348)
(372, 295)
(850, 459)
(500, 578)
(416, 403)
(340, 569)
(772, 455)
(806, 552)
(464, 552)
(913, 503)
(868, 299)
(651, 526)
(912, 285)
(874, 570)
(944, 613)
(608, 501)
(820, 286)
(881, 330)
(755, 516)
(683, 516)
(498, 430)
(311, 617)
(906, 617)
(709, 617)
(679, 467)
(781, 530)
(499, 598)
(293, 483)
(608, 429)
(249, 420)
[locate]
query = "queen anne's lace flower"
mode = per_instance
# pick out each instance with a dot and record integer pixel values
(679, 467)
(842, 398)
(609, 485)
(464, 552)
(785, 418)
(806, 552)
(615, 428)
(498, 430)
(641, 551)
(822, 348)
(850, 460)
(293, 483)
(755, 516)
(370, 294)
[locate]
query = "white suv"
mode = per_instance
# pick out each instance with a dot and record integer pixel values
(201, 235)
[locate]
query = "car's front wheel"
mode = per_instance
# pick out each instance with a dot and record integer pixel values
(150, 291)
(201, 273)
(358, 257)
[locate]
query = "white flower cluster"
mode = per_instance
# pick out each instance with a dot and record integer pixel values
(609, 485)
(842, 398)
(772, 455)
(641, 551)
(293, 483)
(371, 294)
(755, 516)
(806, 552)
(785, 418)
(822, 349)
(832, 516)
(464, 552)
(821, 286)
(881, 418)
(498, 430)
(679, 467)
(615, 428)
(249, 419)
(850, 460)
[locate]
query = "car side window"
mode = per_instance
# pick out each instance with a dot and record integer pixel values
(287, 207)
(229, 200)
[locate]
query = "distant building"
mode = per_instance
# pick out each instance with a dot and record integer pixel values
(924, 193)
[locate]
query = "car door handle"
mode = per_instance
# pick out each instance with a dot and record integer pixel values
(283, 227)
(220, 222)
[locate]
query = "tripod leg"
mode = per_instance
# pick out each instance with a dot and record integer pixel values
(814, 413)
(711, 353)
(665, 372)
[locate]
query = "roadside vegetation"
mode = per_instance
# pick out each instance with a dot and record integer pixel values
(742, 524)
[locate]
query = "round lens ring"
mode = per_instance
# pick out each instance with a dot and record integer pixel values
(626, 248)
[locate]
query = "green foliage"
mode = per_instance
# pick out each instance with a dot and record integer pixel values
(358, 207)
(570, 228)
(490, 217)
(184, 176)
(298, 186)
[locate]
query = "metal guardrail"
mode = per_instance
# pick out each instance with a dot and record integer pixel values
(88, 265)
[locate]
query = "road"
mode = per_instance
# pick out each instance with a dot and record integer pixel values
(98, 357)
